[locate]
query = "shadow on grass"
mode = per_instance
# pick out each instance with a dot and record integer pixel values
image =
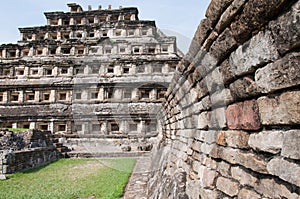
(34, 170)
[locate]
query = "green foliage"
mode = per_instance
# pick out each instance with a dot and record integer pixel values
(17, 129)
(70, 178)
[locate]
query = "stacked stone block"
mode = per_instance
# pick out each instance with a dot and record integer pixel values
(232, 114)
(25, 150)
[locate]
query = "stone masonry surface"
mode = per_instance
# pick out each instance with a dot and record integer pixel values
(232, 111)
(25, 150)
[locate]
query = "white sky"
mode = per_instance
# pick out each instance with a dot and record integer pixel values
(179, 18)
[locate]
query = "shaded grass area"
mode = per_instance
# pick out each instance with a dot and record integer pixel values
(70, 178)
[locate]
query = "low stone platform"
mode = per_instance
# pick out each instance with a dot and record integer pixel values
(20, 151)
(137, 185)
(77, 154)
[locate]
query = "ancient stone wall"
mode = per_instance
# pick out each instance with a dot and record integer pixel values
(24, 150)
(232, 112)
(12, 162)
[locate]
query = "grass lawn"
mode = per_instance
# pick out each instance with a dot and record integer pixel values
(70, 178)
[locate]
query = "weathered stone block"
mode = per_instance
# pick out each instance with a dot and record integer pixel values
(207, 179)
(285, 170)
(228, 15)
(227, 186)
(248, 160)
(254, 53)
(207, 148)
(210, 150)
(206, 193)
(271, 189)
(236, 139)
(5, 169)
(193, 95)
(226, 71)
(193, 176)
(180, 94)
(196, 166)
(180, 146)
(188, 58)
(179, 124)
(223, 45)
(286, 29)
(187, 133)
(197, 156)
(181, 156)
(218, 118)
(214, 80)
(202, 89)
(210, 163)
(193, 189)
(189, 123)
(243, 177)
(255, 14)
(243, 115)
(205, 103)
(196, 146)
(209, 40)
(283, 109)
(248, 194)
(283, 73)
(203, 30)
(196, 76)
(186, 111)
(197, 59)
(190, 69)
(203, 120)
(205, 62)
(178, 97)
(189, 152)
(180, 68)
(221, 97)
(244, 88)
(182, 79)
(291, 144)
(216, 8)
(223, 168)
(208, 136)
(268, 141)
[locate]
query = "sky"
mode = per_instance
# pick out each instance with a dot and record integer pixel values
(172, 17)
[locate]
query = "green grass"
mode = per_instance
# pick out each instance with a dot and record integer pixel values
(17, 129)
(70, 178)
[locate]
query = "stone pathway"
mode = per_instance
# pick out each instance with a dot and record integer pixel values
(137, 184)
